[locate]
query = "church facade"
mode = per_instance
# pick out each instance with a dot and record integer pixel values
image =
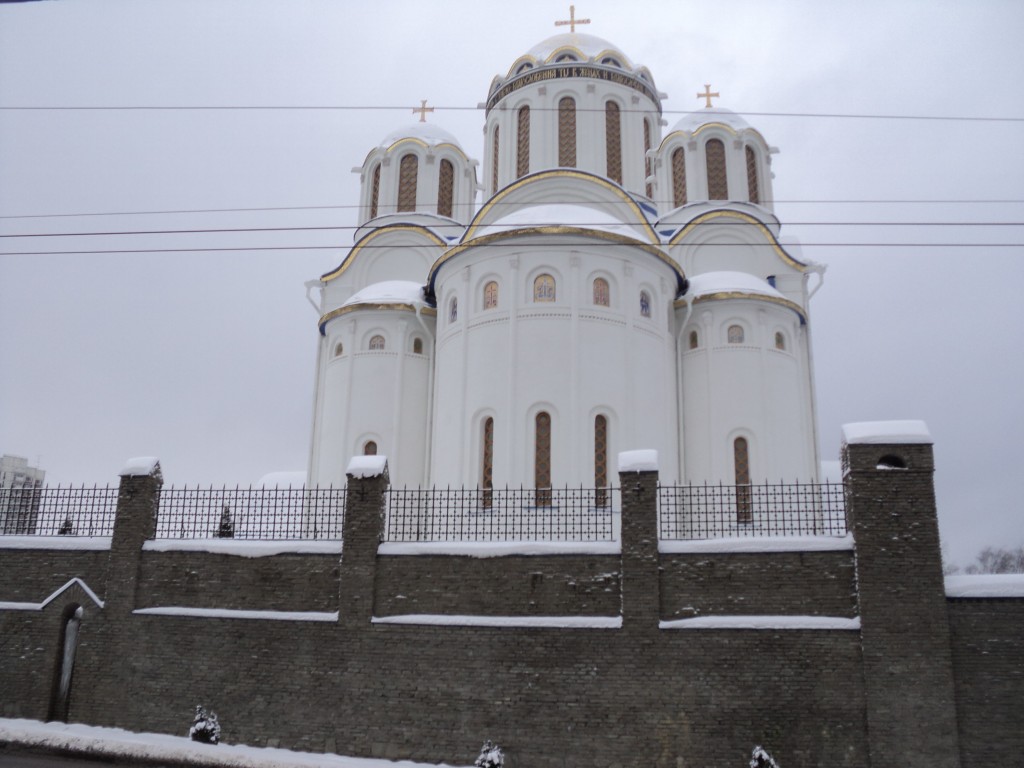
(619, 287)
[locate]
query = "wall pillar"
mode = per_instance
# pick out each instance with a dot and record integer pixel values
(638, 481)
(905, 639)
(365, 502)
(138, 501)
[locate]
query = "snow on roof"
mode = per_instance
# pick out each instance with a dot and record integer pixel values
(694, 120)
(140, 466)
(389, 292)
(293, 479)
(986, 585)
(645, 460)
(867, 432)
(730, 282)
(367, 466)
(561, 214)
(430, 133)
(589, 45)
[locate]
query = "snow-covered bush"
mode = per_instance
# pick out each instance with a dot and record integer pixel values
(761, 759)
(205, 727)
(491, 756)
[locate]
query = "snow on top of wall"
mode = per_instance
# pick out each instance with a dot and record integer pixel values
(53, 596)
(881, 432)
(764, 622)
(644, 460)
(235, 613)
(161, 747)
(55, 542)
(244, 547)
(367, 466)
(292, 479)
(140, 466)
(389, 292)
(557, 622)
(758, 544)
(483, 549)
(730, 282)
(986, 585)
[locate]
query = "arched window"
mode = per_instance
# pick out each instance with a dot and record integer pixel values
(453, 309)
(544, 288)
(645, 304)
(542, 459)
(339, 349)
(377, 342)
(718, 187)
(679, 177)
(491, 295)
(602, 295)
(741, 461)
(494, 163)
(647, 159)
(375, 191)
(752, 185)
(694, 340)
(445, 188)
(523, 142)
(370, 448)
(407, 171)
(613, 141)
(417, 346)
(487, 471)
(567, 132)
(780, 340)
(735, 334)
(601, 460)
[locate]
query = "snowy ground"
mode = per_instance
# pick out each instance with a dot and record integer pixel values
(114, 742)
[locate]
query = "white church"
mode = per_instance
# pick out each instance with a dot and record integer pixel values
(620, 287)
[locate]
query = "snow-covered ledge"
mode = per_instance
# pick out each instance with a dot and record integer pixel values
(362, 467)
(246, 547)
(887, 432)
(483, 549)
(644, 460)
(757, 544)
(141, 466)
(986, 585)
(55, 542)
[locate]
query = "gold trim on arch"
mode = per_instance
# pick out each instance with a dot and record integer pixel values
(534, 178)
(723, 295)
(705, 217)
(346, 263)
(336, 313)
(701, 128)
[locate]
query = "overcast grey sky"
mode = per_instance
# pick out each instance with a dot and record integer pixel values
(205, 358)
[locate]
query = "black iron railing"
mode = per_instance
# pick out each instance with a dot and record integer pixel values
(58, 511)
(711, 511)
(507, 514)
(251, 513)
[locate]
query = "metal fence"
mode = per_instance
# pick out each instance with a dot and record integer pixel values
(58, 511)
(712, 511)
(251, 513)
(473, 514)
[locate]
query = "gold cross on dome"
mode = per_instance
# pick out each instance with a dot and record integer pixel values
(422, 110)
(573, 21)
(708, 96)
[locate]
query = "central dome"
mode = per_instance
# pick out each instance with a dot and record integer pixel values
(576, 47)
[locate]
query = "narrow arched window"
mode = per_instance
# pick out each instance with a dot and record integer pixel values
(780, 340)
(752, 185)
(407, 172)
(647, 158)
(741, 462)
(694, 340)
(491, 295)
(602, 295)
(417, 346)
(718, 187)
(567, 132)
(735, 334)
(544, 288)
(487, 461)
(645, 304)
(613, 141)
(494, 162)
(601, 460)
(375, 191)
(679, 177)
(339, 349)
(542, 459)
(453, 309)
(523, 142)
(370, 448)
(377, 342)
(445, 188)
